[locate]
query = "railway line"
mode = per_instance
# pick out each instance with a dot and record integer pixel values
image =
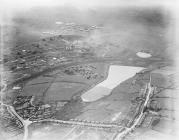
(121, 130)
(50, 69)
(84, 124)
(148, 92)
(80, 123)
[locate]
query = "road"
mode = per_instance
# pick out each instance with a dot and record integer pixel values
(12, 111)
(149, 91)
(26, 123)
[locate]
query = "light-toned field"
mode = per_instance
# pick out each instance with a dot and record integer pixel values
(56, 132)
(116, 75)
(116, 107)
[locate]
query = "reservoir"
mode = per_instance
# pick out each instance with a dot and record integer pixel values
(116, 75)
(143, 55)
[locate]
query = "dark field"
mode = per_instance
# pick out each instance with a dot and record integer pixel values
(57, 86)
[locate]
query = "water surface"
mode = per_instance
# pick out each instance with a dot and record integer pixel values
(116, 75)
(143, 54)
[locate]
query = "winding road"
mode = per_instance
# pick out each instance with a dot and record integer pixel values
(123, 131)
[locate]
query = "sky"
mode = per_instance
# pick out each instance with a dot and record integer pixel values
(9, 7)
(25, 4)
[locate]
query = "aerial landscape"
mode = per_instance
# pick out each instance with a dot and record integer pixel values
(98, 73)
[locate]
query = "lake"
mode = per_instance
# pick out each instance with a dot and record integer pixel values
(116, 75)
(143, 55)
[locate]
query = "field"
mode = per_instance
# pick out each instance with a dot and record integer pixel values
(105, 109)
(55, 131)
(63, 91)
(57, 68)
(61, 86)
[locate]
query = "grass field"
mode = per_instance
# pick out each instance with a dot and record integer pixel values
(57, 85)
(63, 91)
